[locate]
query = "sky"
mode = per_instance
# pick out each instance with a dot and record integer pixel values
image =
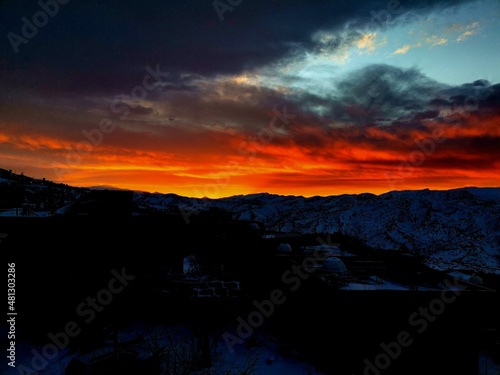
(221, 98)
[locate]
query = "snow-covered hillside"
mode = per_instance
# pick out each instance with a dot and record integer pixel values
(451, 229)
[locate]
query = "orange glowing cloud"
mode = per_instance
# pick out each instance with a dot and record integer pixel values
(202, 153)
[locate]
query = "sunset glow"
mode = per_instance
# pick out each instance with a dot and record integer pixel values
(199, 107)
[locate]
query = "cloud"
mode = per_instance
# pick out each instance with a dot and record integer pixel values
(220, 82)
(434, 40)
(380, 92)
(455, 31)
(471, 30)
(403, 50)
(314, 153)
(368, 44)
(93, 47)
(464, 36)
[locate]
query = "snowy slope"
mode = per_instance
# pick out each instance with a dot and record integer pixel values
(452, 229)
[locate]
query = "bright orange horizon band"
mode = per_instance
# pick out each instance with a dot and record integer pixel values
(217, 164)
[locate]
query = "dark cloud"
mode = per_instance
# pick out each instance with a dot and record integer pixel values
(463, 163)
(477, 83)
(426, 115)
(104, 47)
(384, 94)
(140, 110)
(382, 91)
(476, 98)
(490, 99)
(440, 103)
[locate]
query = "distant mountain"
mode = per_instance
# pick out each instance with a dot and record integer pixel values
(451, 229)
(105, 187)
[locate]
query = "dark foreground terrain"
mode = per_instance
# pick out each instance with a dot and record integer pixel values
(133, 267)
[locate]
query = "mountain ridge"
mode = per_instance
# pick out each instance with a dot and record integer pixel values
(452, 229)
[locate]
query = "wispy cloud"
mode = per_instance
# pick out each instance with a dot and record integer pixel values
(368, 44)
(440, 37)
(403, 50)
(471, 29)
(435, 40)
